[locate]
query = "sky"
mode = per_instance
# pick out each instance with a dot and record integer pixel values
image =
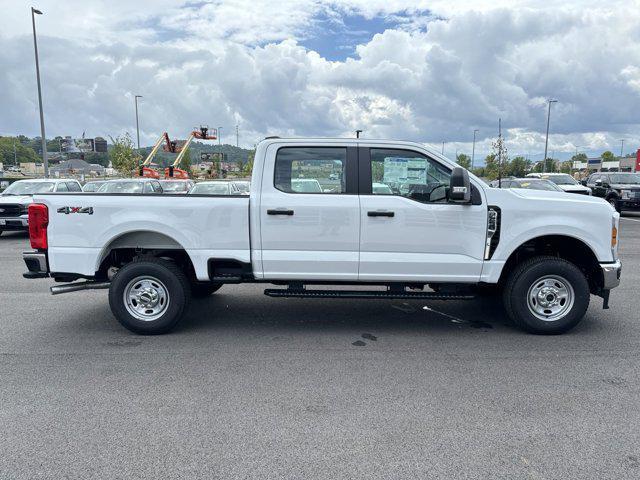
(427, 71)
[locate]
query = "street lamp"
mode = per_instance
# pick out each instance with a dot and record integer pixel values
(473, 149)
(546, 141)
(621, 146)
(135, 99)
(45, 161)
(219, 136)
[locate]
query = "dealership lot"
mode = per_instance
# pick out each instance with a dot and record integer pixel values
(253, 387)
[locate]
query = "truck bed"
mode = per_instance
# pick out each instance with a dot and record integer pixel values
(204, 226)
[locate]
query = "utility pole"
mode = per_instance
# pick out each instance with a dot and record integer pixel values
(621, 147)
(499, 152)
(219, 135)
(546, 141)
(237, 137)
(15, 155)
(45, 160)
(136, 97)
(443, 147)
(473, 149)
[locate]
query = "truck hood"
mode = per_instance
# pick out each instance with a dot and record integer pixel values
(547, 197)
(625, 186)
(574, 188)
(13, 199)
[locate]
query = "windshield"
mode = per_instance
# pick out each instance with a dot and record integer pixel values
(561, 179)
(630, 178)
(121, 187)
(92, 187)
(243, 186)
(210, 189)
(535, 184)
(306, 186)
(29, 188)
(174, 186)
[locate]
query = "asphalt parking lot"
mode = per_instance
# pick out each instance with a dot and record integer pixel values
(253, 387)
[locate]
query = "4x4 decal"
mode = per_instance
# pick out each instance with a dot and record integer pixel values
(68, 210)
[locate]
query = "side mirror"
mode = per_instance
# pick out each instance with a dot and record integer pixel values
(460, 191)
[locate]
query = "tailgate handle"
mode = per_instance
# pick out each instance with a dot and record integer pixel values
(279, 212)
(378, 213)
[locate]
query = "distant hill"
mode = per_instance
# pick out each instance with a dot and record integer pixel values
(232, 153)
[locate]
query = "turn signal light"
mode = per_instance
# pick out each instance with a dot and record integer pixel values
(614, 236)
(38, 221)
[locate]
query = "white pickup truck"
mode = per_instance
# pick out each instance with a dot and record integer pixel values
(428, 230)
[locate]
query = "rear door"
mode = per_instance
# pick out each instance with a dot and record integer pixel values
(410, 232)
(310, 212)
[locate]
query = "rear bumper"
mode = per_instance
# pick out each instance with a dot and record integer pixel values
(14, 223)
(611, 274)
(36, 263)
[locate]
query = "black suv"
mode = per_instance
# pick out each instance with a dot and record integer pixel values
(622, 190)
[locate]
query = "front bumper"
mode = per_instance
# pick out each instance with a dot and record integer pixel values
(611, 274)
(36, 263)
(14, 223)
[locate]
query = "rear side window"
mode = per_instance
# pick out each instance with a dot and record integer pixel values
(62, 187)
(311, 170)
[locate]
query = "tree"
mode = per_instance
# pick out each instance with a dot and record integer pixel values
(491, 166)
(21, 154)
(566, 166)
(607, 156)
(464, 160)
(518, 167)
(580, 157)
(248, 166)
(185, 162)
(123, 156)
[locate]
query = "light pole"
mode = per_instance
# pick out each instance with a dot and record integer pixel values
(443, 148)
(358, 132)
(473, 149)
(45, 161)
(219, 135)
(546, 140)
(237, 137)
(621, 146)
(135, 98)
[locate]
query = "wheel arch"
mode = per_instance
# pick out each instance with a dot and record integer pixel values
(567, 247)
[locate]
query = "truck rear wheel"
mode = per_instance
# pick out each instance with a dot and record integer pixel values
(148, 296)
(546, 295)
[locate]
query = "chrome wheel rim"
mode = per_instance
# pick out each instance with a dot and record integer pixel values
(550, 298)
(146, 298)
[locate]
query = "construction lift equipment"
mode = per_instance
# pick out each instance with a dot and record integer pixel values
(173, 171)
(145, 170)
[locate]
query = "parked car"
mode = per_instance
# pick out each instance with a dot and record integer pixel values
(132, 186)
(621, 190)
(567, 183)
(176, 187)
(454, 235)
(381, 189)
(304, 185)
(17, 197)
(243, 186)
(214, 187)
(93, 185)
(527, 183)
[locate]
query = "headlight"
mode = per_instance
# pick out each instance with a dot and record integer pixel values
(626, 194)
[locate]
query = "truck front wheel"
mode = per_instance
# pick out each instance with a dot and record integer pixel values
(546, 295)
(148, 296)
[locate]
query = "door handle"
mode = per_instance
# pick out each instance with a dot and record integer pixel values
(378, 213)
(279, 212)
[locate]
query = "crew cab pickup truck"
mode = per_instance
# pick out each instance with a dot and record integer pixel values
(435, 232)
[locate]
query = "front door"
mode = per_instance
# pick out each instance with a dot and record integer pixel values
(409, 231)
(310, 213)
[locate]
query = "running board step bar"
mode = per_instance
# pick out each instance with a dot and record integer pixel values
(302, 293)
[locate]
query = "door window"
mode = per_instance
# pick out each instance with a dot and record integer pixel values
(408, 174)
(311, 170)
(74, 187)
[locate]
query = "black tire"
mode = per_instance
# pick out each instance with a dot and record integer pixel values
(202, 290)
(526, 278)
(170, 280)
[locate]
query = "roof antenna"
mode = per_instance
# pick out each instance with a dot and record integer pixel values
(358, 132)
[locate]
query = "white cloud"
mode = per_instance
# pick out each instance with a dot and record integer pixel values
(241, 61)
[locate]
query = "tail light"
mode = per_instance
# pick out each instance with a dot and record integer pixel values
(38, 221)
